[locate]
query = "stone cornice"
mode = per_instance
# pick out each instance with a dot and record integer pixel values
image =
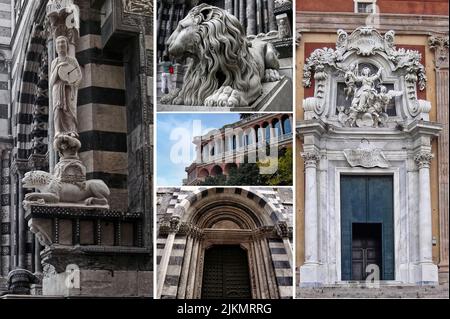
(402, 24)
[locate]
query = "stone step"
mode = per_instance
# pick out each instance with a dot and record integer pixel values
(441, 291)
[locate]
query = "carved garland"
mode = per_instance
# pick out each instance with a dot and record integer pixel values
(365, 41)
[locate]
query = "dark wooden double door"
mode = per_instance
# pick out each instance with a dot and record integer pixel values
(226, 273)
(367, 230)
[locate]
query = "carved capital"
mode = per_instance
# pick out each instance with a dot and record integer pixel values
(311, 158)
(63, 19)
(283, 230)
(439, 44)
(423, 159)
(298, 38)
(174, 224)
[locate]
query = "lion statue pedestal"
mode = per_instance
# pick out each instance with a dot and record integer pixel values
(68, 183)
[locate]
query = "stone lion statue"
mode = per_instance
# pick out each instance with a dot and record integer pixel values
(52, 190)
(226, 69)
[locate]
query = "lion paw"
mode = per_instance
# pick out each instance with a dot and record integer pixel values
(96, 201)
(271, 75)
(225, 96)
(171, 98)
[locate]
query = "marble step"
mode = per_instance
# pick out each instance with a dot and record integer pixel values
(441, 291)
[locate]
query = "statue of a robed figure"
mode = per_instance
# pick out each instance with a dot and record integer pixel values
(65, 78)
(68, 183)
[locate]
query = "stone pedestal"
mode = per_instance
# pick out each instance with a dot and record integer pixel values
(91, 251)
(276, 96)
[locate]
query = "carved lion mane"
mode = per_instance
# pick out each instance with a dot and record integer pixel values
(221, 57)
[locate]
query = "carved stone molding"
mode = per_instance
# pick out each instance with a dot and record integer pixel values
(423, 159)
(144, 7)
(440, 46)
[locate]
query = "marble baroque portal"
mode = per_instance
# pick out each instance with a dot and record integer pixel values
(350, 128)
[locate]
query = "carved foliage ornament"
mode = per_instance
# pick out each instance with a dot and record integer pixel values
(63, 18)
(440, 46)
(310, 158)
(423, 159)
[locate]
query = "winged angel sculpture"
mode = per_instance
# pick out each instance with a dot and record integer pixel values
(369, 106)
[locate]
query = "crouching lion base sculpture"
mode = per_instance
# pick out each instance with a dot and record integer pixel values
(51, 190)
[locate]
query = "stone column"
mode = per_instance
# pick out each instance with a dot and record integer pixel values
(193, 269)
(271, 16)
(309, 272)
(440, 46)
(251, 17)
(37, 256)
(181, 294)
(259, 22)
(261, 272)
(229, 6)
(160, 12)
(236, 9)
(52, 154)
(174, 226)
(242, 13)
(428, 271)
(13, 219)
(21, 222)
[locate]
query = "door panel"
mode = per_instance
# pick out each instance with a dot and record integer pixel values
(367, 200)
(366, 248)
(226, 273)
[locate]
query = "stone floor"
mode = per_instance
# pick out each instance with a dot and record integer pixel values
(410, 292)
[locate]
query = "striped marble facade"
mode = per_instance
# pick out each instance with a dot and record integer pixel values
(180, 249)
(115, 117)
(102, 111)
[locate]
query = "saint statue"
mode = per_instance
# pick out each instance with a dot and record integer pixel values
(367, 89)
(368, 107)
(65, 78)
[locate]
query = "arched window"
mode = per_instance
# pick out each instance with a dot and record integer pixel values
(258, 134)
(277, 126)
(287, 125)
(266, 127)
(234, 142)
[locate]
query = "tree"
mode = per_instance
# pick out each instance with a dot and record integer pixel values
(245, 174)
(214, 180)
(250, 173)
(283, 176)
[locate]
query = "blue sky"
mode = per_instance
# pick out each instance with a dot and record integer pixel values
(174, 145)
